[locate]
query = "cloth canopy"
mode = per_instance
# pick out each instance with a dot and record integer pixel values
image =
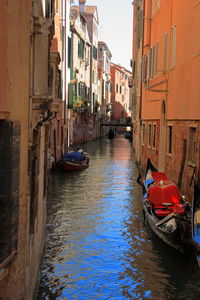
(73, 156)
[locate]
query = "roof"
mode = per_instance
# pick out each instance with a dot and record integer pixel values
(120, 68)
(101, 43)
(88, 9)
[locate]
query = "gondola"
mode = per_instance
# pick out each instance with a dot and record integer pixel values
(111, 134)
(128, 135)
(196, 218)
(74, 161)
(166, 211)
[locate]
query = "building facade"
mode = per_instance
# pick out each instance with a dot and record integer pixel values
(80, 71)
(120, 95)
(104, 76)
(170, 113)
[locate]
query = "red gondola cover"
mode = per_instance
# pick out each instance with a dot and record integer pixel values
(164, 195)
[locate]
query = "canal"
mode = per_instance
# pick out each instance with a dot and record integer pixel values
(97, 244)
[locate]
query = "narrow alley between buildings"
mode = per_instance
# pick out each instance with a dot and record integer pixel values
(97, 244)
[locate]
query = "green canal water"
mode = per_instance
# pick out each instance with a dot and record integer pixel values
(98, 246)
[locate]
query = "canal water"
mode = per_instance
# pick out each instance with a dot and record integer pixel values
(98, 246)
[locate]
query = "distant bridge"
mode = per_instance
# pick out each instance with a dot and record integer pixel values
(117, 124)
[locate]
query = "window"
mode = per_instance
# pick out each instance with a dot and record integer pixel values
(153, 62)
(173, 47)
(69, 52)
(169, 139)
(95, 52)
(120, 89)
(150, 63)
(154, 137)
(165, 52)
(192, 144)
(144, 67)
(156, 59)
(143, 133)
(116, 88)
(81, 48)
(149, 135)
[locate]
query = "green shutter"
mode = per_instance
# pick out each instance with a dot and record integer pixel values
(69, 51)
(70, 95)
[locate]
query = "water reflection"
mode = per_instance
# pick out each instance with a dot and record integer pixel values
(97, 244)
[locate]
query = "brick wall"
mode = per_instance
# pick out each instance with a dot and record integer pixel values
(173, 161)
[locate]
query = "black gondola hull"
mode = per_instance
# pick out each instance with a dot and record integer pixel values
(171, 238)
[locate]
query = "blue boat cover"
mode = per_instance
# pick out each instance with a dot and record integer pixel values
(73, 156)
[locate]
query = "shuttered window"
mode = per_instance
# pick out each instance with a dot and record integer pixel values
(192, 144)
(148, 64)
(81, 48)
(70, 96)
(173, 47)
(151, 63)
(143, 133)
(69, 52)
(170, 139)
(95, 52)
(156, 59)
(165, 52)
(154, 137)
(144, 67)
(149, 135)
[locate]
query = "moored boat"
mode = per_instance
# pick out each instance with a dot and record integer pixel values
(74, 161)
(196, 218)
(111, 134)
(128, 135)
(166, 211)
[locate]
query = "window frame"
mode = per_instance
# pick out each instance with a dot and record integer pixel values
(169, 139)
(192, 141)
(149, 135)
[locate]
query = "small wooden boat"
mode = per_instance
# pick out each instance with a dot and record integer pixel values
(166, 212)
(74, 161)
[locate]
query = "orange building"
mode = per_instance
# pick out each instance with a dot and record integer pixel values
(167, 68)
(120, 95)
(26, 111)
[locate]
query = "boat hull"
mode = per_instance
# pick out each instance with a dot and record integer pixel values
(171, 238)
(73, 166)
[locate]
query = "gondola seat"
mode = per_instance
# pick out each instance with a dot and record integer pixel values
(165, 211)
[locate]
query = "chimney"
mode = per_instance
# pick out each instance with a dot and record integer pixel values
(82, 5)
